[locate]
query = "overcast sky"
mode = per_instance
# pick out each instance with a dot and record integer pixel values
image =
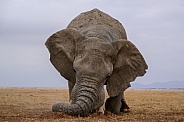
(156, 27)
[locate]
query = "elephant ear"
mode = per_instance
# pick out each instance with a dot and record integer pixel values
(61, 46)
(129, 64)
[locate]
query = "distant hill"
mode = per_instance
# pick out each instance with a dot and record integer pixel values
(157, 85)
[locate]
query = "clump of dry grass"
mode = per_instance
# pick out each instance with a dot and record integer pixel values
(33, 104)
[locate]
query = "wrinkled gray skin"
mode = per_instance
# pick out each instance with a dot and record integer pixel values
(92, 51)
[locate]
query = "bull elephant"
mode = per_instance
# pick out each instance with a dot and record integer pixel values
(92, 51)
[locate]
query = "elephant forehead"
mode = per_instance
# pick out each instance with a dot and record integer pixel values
(96, 46)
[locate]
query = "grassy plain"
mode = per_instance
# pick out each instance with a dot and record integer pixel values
(34, 104)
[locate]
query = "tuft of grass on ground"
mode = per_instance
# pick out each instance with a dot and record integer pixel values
(34, 104)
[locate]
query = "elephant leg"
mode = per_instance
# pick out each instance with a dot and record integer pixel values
(70, 86)
(113, 104)
(116, 104)
(124, 106)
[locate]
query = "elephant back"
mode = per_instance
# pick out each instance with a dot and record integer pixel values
(96, 17)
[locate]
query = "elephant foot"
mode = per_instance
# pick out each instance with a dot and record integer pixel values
(124, 106)
(113, 105)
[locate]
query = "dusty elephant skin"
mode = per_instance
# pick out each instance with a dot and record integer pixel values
(92, 51)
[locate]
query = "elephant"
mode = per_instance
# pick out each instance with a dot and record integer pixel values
(93, 51)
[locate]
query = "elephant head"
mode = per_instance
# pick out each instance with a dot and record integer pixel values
(91, 62)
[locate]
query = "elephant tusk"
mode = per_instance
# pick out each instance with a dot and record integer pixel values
(101, 109)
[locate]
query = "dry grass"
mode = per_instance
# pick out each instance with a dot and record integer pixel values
(33, 104)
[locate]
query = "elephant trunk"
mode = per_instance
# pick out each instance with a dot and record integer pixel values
(86, 97)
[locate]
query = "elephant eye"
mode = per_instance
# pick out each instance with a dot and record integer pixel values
(110, 59)
(79, 54)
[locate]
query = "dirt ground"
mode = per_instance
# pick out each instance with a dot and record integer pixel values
(34, 104)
